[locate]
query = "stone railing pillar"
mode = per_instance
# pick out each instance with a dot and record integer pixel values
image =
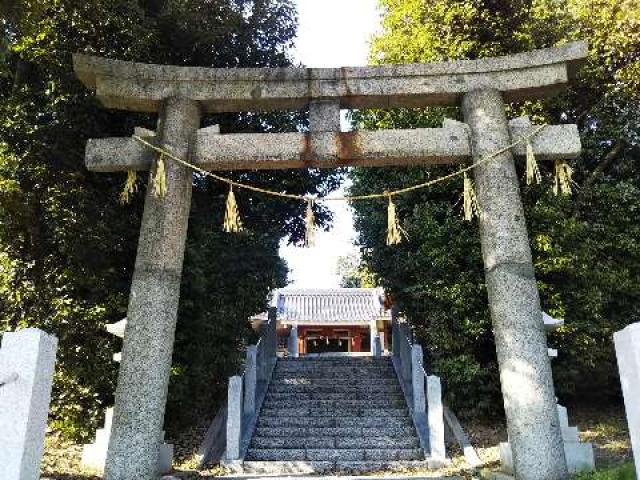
(273, 335)
(405, 350)
(376, 346)
(395, 336)
(373, 333)
(250, 380)
(292, 344)
(234, 418)
(417, 379)
(27, 360)
(435, 417)
(525, 370)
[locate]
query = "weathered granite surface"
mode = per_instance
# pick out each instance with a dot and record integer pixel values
(627, 344)
(153, 303)
(525, 368)
(143, 87)
(324, 115)
(329, 148)
(234, 418)
(27, 359)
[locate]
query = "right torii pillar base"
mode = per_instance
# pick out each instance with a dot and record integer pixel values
(525, 370)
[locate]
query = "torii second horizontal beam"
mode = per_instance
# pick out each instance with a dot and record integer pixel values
(422, 146)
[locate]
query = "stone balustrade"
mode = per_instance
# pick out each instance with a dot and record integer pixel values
(422, 391)
(246, 391)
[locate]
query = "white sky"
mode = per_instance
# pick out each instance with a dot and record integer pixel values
(331, 33)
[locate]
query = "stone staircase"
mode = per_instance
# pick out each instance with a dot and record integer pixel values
(333, 414)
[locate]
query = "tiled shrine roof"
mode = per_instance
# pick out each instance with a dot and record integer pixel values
(330, 306)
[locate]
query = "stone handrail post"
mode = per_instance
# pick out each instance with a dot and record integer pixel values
(234, 418)
(272, 334)
(245, 391)
(417, 379)
(395, 345)
(250, 380)
(423, 392)
(435, 416)
(292, 344)
(405, 352)
(376, 345)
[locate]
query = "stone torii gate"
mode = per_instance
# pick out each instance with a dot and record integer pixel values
(181, 95)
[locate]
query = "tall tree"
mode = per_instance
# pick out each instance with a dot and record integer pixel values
(67, 246)
(585, 251)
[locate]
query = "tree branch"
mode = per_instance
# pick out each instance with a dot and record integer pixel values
(605, 163)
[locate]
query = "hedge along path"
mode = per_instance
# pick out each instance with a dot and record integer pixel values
(395, 233)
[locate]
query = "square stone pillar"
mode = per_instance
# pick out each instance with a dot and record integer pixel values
(627, 344)
(525, 369)
(143, 378)
(292, 345)
(27, 360)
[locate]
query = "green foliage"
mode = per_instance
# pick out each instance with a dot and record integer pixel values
(584, 247)
(353, 272)
(622, 472)
(67, 247)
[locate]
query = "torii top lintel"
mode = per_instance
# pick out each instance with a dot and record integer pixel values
(143, 87)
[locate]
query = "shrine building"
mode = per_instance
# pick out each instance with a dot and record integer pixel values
(331, 321)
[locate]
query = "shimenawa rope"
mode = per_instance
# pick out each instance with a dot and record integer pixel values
(395, 233)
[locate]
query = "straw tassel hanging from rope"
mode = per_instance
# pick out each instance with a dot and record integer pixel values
(130, 187)
(310, 225)
(470, 201)
(533, 172)
(160, 179)
(562, 184)
(394, 230)
(232, 222)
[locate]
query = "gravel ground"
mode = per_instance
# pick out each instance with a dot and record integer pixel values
(604, 426)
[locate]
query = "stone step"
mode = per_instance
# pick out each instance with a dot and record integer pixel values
(375, 442)
(326, 381)
(306, 468)
(337, 412)
(355, 371)
(330, 378)
(335, 404)
(369, 370)
(346, 390)
(331, 360)
(334, 396)
(331, 431)
(334, 421)
(334, 455)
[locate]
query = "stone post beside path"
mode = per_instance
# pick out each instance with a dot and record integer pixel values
(27, 360)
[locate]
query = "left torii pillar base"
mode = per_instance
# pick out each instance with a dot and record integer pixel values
(143, 379)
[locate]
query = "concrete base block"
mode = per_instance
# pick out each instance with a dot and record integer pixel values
(94, 455)
(579, 457)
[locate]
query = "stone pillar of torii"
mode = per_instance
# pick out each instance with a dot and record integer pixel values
(94, 455)
(182, 95)
(579, 455)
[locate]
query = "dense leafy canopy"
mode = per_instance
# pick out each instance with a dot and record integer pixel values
(67, 246)
(585, 248)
